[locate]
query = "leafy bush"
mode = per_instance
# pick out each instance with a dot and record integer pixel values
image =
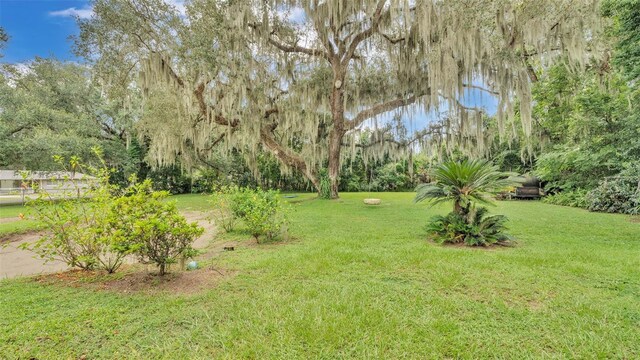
(575, 198)
(109, 223)
(616, 195)
(390, 177)
(164, 236)
(263, 212)
(477, 229)
(80, 229)
(223, 207)
(265, 216)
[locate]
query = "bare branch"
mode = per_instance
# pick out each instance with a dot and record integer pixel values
(365, 34)
(379, 109)
(392, 40)
(471, 86)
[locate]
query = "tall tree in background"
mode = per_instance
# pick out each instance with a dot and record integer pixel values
(4, 39)
(51, 108)
(626, 32)
(300, 78)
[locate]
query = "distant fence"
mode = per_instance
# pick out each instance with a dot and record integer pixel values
(19, 196)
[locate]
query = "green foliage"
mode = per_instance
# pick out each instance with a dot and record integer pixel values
(99, 225)
(82, 231)
(626, 32)
(477, 229)
(172, 179)
(592, 128)
(618, 194)
(390, 177)
(575, 198)
(54, 108)
(464, 183)
(221, 204)
(164, 236)
(325, 184)
(262, 211)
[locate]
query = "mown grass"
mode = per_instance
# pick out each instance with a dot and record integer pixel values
(10, 223)
(363, 282)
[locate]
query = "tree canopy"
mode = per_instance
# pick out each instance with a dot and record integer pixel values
(52, 108)
(300, 78)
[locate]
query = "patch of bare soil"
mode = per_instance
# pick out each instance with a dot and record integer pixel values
(635, 219)
(28, 235)
(135, 279)
(9, 219)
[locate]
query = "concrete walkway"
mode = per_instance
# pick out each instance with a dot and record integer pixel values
(16, 262)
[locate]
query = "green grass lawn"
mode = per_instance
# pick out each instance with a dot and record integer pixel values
(11, 212)
(363, 282)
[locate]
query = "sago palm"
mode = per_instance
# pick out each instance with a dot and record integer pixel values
(464, 183)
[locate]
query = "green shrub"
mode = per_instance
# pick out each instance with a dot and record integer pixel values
(477, 229)
(262, 211)
(575, 198)
(164, 236)
(79, 229)
(224, 213)
(616, 195)
(266, 215)
(109, 223)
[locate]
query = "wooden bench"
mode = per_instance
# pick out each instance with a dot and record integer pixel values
(528, 192)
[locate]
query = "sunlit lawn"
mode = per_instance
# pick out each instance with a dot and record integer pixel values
(363, 282)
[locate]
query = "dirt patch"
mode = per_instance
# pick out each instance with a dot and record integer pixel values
(635, 219)
(9, 219)
(133, 279)
(21, 235)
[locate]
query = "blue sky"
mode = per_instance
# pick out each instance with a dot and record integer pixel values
(40, 28)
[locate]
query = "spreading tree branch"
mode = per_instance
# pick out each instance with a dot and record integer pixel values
(379, 109)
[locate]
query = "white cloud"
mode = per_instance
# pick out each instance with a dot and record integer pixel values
(82, 13)
(87, 12)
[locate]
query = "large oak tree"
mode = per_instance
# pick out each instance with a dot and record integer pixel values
(299, 78)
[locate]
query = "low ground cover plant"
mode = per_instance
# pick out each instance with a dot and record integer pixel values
(466, 184)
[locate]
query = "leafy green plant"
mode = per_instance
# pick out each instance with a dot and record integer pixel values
(574, 198)
(478, 229)
(165, 236)
(107, 223)
(78, 226)
(464, 183)
(222, 207)
(262, 211)
(616, 195)
(266, 215)
(325, 184)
